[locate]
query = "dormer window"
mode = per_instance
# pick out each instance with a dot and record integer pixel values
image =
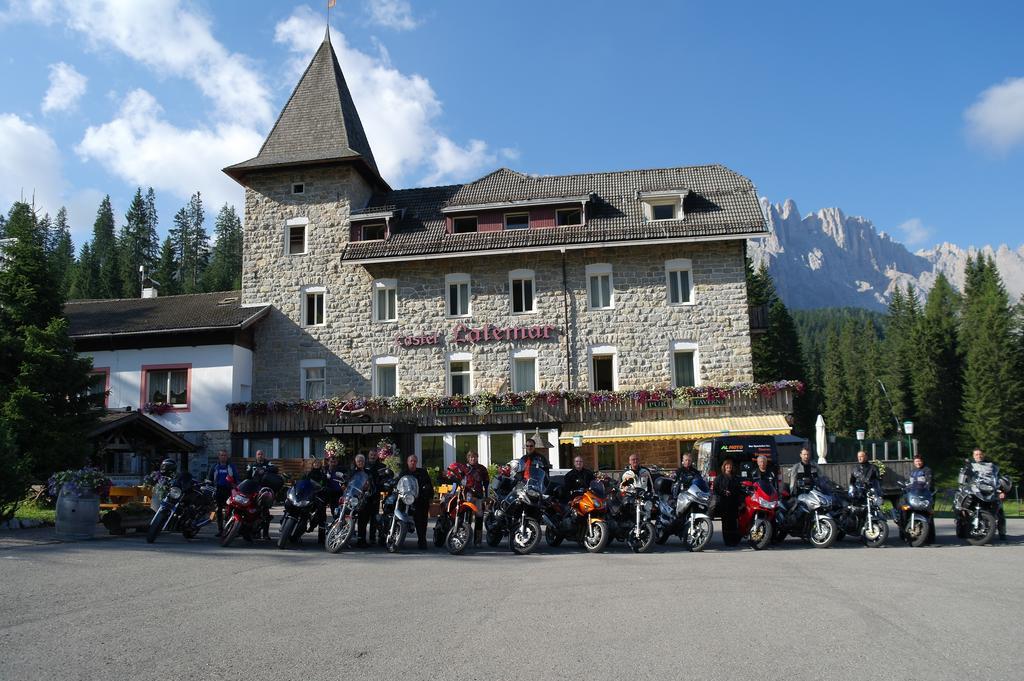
(567, 217)
(375, 231)
(299, 188)
(464, 225)
(663, 211)
(517, 220)
(663, 205)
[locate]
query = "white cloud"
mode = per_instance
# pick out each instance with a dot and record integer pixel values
(142, 148)
(396, 14)
(67, 86)
(399, 111)
(996, 119)
(29, 165)
(914, 232)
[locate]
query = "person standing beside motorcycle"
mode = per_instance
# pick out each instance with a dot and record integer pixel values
(479, 480)
(636, 476)
(763, 473)
(222, 475)
(921, 476)
(359, 466)
(864, 473)
(576, 480)
(728, 497)
(986, 469)
(421, 508)
(376, 468)
(803, 476)
(686, 473)
(532, 458)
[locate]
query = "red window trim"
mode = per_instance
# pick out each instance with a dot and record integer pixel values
(146, 368)
(106, 383)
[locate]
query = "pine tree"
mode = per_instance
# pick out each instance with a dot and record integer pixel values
(191, 244)
(137, 243)
(27, 291)
(85, 281)
(62, 252)
(225, 270)
(45, 227)
(105, 251)
(993, 391)
(899, 352)
(837, 409)
(167, 268)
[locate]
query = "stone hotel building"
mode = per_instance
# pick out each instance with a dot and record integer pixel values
(579, 288)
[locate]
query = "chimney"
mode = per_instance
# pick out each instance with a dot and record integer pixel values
(150, 288)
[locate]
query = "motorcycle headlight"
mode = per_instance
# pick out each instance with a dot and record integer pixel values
(240, 499)
(765, 503)
(303, 503)
(408, 498)
(174, 493)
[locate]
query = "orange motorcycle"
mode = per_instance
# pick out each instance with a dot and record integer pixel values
(581, 520)
(454, 525)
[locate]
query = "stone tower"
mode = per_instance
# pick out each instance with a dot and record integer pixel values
(314, 168)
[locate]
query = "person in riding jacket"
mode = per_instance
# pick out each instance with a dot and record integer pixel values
(359, 466)
(636, 476)
(921, 475)
(763, 472)
(222, 475)
(531, 458)
(686, 473)
(478, 482)
(728, 497)
(803, 476)
(377, 469)
(980, 468)
(864, 474)
(576, 480)
(422, 504)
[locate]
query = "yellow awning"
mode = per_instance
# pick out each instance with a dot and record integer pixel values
(676, 429)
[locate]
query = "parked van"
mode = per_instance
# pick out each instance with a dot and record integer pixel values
(742, 449)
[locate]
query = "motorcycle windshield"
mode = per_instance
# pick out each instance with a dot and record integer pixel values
(766, 488)
(536, 472)
(597, 487)
(249, 486)
(304, 489)
(357, 484)
(535, 485)
(698, 487)
(408, 485)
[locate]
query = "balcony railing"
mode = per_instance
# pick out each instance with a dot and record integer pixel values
(300, 417)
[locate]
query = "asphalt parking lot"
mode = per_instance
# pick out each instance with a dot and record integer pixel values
(118, 608)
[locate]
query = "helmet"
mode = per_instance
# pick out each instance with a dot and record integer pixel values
(628, 478)
(168, 467)
(505, 470)
(457, 470)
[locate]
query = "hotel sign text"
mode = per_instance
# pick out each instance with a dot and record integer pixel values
(488, 333)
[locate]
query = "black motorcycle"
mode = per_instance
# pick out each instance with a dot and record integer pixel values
(396, 517)
(502, 485)
(632, 516)
(914, 515)
(976, 507)
(186, 507)
(860, 514)
(519, 513)
(303, 512)
(355, 496)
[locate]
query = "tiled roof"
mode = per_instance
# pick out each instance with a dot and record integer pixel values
(318, 124)
(167, 314)
(720, 203)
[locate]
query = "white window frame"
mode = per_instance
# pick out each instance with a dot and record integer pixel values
(377, 286)
(362, 230)
(565, 210)
(506, 216)
(679, 265)
(304, 292)
(458, 357)
(669, 199)
(466, 217)
(603, 351)
(600, 270)
(300, 185)
(522, 275)
(296, 222)
(524, 354)
(311, 364)
(457, 279)
(385, 360)
(684, 346)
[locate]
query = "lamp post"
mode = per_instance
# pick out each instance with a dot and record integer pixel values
(860, 439)
(577, 440)
(908, 428)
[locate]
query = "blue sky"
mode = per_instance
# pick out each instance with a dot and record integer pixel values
(910, 113)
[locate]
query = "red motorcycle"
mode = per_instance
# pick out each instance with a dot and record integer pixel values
(248, 510)
(757, 515)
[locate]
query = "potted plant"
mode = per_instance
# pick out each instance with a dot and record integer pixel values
(78, 494)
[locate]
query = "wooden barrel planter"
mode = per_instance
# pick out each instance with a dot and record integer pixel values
(77, 516)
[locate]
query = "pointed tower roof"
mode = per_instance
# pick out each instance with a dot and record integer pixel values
(318, 125)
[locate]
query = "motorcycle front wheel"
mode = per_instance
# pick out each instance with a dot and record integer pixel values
(395, 538)
(916, 532)
(230, 532)
(457, 539)
(700, 534)
(985, 531)
(823, 535)
(597, 537)
(156, 525)
(760, 534)
(339, 534)
(287, 529)
(641, 540)
(525, 537)
(876, 533)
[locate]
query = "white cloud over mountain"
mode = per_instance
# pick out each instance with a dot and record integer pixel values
(67, 86)
(996, 119)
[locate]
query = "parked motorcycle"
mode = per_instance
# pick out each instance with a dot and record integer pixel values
(861, 514)
(396, 519)
(303, 512)
(758, 514)
(356, 494)
(501, 486)
(187, 506)
(519, 513)
(976, 507)
(808, 517)
(914, 515)
(581, 520)
(684, 513)
(454, 525)
(248, 510)
(632, 516)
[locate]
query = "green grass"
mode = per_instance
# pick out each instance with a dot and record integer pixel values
(30, 510)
